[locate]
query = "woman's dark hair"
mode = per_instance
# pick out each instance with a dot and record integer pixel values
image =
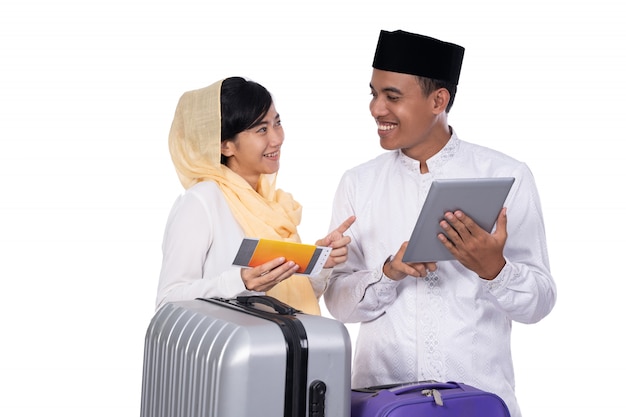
(429, 85)
(243, 104)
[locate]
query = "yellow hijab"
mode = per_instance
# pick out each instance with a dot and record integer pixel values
(270, 213)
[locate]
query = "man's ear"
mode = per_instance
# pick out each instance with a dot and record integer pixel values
(441, 98)
(227, 148)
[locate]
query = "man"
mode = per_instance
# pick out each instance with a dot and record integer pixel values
(425, 321)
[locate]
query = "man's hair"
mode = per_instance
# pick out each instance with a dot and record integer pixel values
(429, 85)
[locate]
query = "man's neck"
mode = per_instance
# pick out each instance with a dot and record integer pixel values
(430, 147)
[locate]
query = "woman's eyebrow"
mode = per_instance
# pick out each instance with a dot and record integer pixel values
(263, 122)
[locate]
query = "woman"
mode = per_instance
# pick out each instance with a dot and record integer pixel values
(225, 143)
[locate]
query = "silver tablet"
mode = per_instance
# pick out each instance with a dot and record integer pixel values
(479, 198)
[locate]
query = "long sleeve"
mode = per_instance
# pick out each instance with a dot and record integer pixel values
(319, 282)
(525, 288)
(199, 244)
(358, 291)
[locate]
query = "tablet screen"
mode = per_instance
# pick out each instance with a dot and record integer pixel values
(479, 198)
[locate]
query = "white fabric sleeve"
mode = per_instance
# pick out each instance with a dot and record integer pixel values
(524, 288)
(188, 240)
(356, 293)
(319, 282)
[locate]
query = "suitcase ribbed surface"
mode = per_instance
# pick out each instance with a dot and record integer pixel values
(195, 365)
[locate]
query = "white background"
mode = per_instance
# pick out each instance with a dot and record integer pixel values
(87, 94)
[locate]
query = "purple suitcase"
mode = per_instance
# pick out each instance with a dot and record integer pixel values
(426, 399)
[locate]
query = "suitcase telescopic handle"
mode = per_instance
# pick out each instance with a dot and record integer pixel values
(278, 306)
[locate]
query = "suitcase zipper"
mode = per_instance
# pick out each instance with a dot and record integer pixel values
(435, 394)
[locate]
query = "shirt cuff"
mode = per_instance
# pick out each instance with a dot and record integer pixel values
(384, 286)
(500, 281)
(319, 282)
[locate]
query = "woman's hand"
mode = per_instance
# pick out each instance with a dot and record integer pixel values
(264, 277)
(338, 242)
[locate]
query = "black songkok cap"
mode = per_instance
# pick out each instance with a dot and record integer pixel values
(410, 53)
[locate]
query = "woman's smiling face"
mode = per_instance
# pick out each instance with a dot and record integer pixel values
(256, 151)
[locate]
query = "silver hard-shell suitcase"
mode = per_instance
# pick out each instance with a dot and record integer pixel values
(250, 356)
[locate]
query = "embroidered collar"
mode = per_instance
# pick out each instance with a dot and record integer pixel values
(437, 161)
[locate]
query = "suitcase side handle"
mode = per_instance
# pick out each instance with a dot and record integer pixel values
(278, 306)
(402, 389)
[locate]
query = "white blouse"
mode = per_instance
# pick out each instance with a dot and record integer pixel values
(199, 245)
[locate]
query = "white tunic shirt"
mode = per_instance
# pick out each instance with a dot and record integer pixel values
(200, 242)
(451, 325)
